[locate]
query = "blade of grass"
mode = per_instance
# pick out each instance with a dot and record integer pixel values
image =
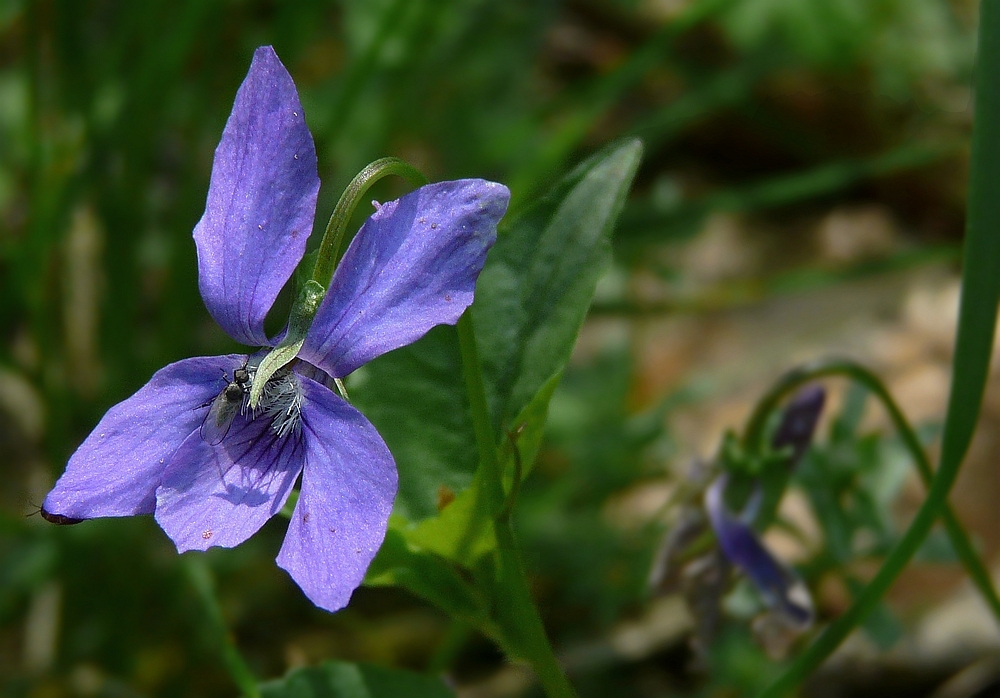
(727, 88)
(737, 294)
(973, 347)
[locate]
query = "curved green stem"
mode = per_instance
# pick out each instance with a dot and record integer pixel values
(329, 250)
(299, 320)
(755, 435)
(313, 291)
(513, 594)
(977, 316)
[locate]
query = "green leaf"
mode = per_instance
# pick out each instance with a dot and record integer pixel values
(531, 299)
(428, 576)
(416, 399)
(464, 532)
(347, 680)
(528, 430)
(977, 312)
(540, 278)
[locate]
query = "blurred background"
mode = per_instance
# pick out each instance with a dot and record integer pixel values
(802, 195)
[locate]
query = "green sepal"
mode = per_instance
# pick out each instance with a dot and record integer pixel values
(299, 320)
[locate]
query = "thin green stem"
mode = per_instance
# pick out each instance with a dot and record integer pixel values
(313, 291)
(515, 483)
(957, 534)
(201, 579)
(516, 601)
(481, 422)
(977, 316)
(329, 250)
(543, 659)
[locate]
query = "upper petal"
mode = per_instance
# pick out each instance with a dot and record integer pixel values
(221, 494)
(413, 265)
(348, 487)
(261, 201)
(779, 587)
(116, 469)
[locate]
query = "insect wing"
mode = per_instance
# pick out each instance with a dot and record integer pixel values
(219, 418)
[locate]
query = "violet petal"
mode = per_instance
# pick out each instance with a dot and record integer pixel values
(779, 587)
(348, 487)
(798, 421)
(261, 201)
(413, 265)
(220, 495)
(116, 469)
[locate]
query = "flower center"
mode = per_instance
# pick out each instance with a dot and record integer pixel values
(281, 402)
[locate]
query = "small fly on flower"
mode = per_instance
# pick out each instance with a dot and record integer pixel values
(225, 406)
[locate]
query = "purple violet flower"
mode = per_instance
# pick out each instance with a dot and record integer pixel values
(214, 479)
(779, 587)
(798, 422)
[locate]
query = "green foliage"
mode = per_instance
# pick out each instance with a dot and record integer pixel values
(416, 399)
(530, 302)
(536, 288)
(346, 680)
(898, 40)
(739, 665)
(852, 481)
(597, 450)
(973, 349)
(539, 281)
(844, 477)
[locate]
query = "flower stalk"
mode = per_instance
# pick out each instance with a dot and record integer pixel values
(299, 321)
(313, 291)
(517, 604)
(333, 236)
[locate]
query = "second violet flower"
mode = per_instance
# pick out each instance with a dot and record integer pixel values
(413, 265)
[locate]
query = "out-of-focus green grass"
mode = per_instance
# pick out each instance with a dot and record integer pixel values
(109, 114)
